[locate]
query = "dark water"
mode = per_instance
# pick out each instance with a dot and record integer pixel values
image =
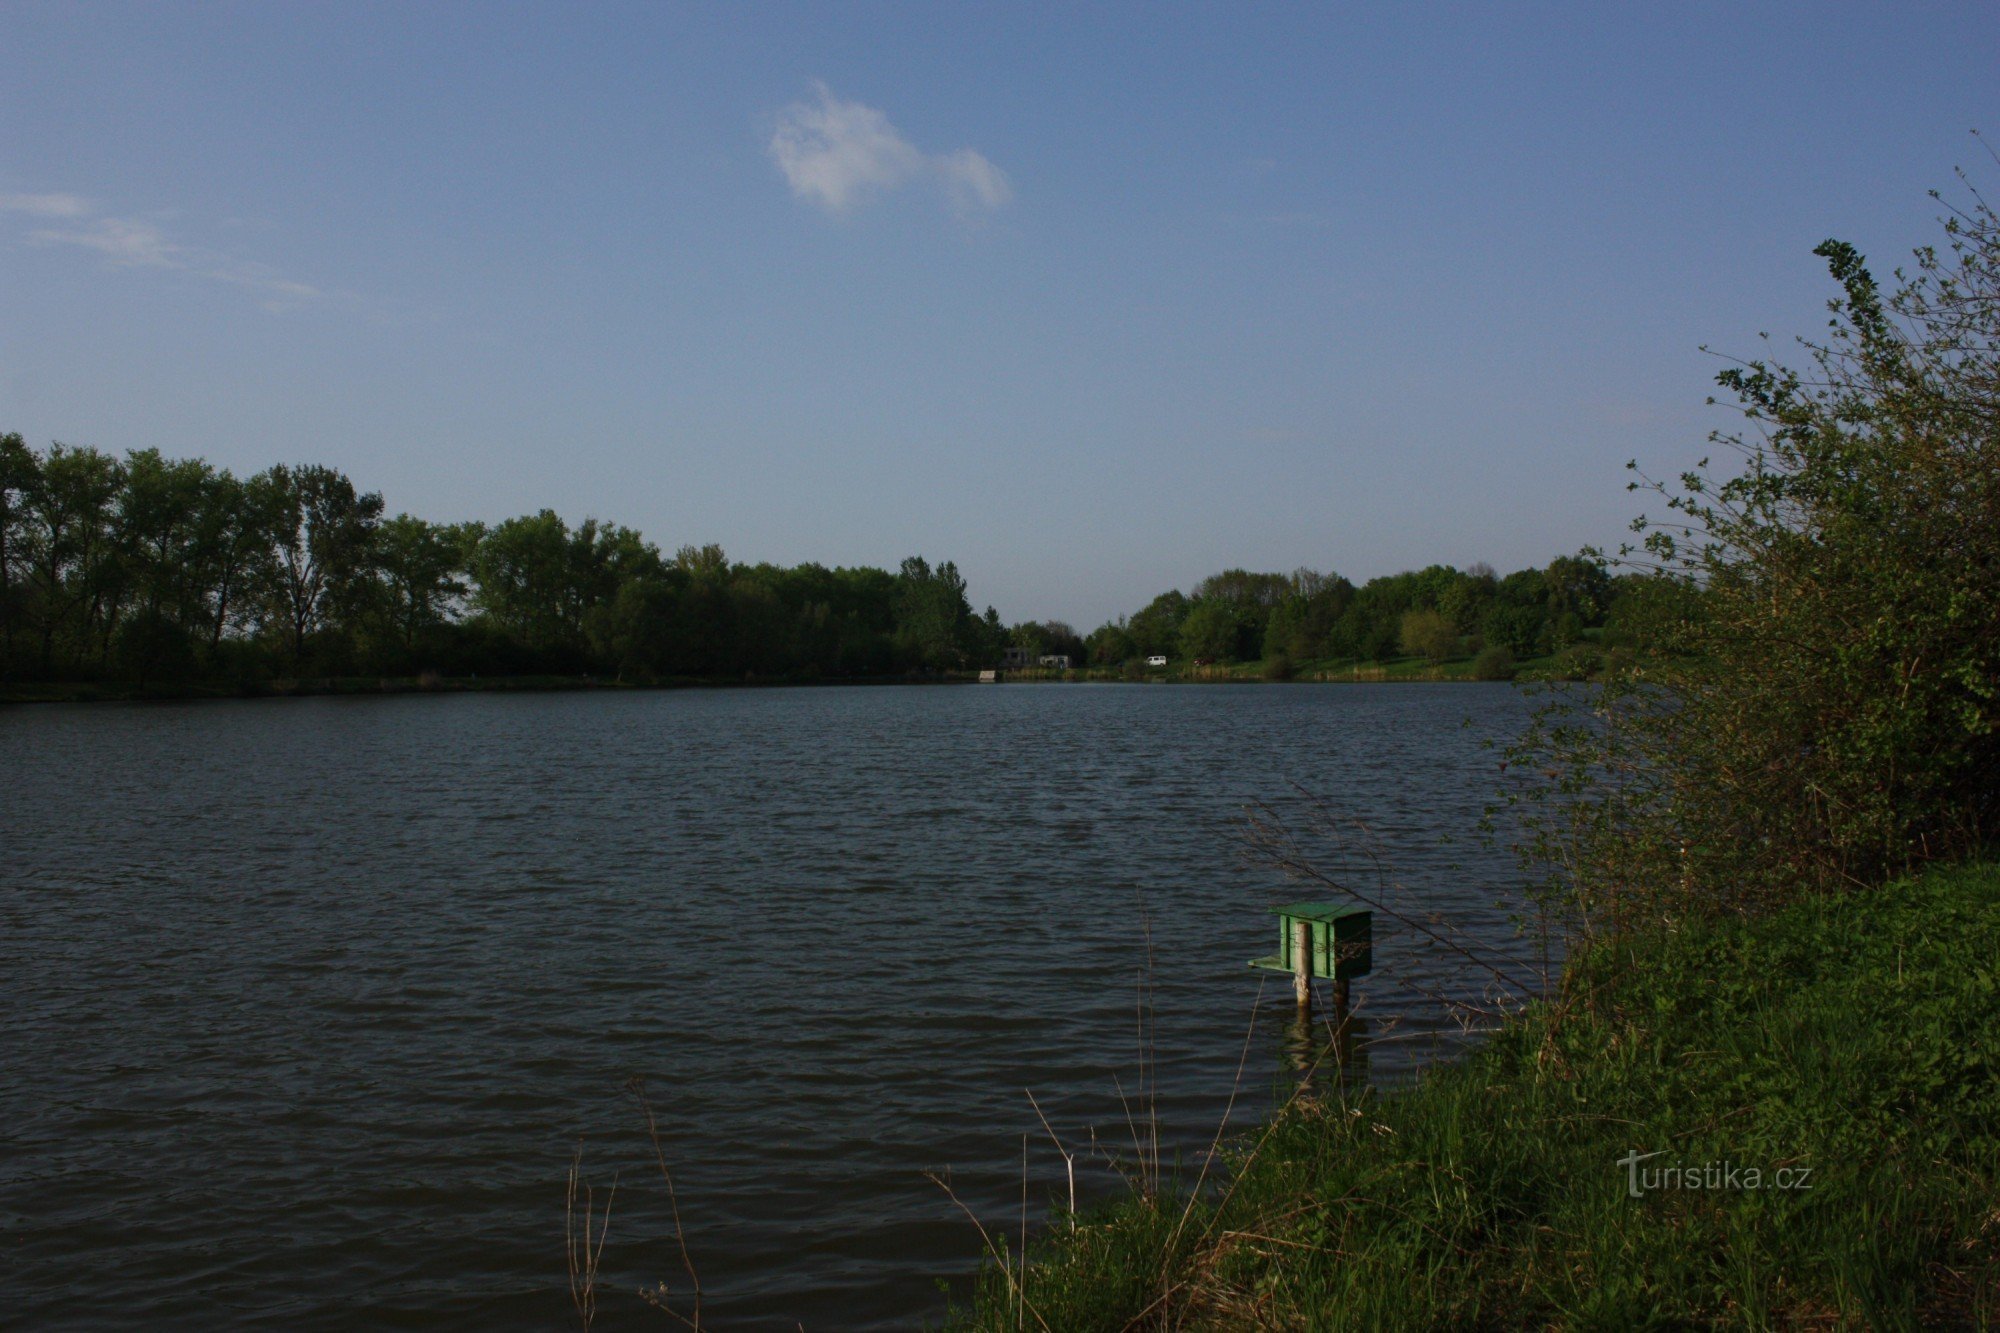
(306, 1004)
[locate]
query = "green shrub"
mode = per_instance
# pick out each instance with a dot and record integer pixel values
(1279, 667)
(1850, 1037)
(1816, 702)
(1428, 635)
(1495, 663)
(1579, 661)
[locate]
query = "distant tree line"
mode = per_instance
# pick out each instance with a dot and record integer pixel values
(1437, 613)
(156, 570)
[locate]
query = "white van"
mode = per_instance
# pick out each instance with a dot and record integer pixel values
(1157, 659)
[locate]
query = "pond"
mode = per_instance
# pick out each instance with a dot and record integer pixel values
(310, 1003)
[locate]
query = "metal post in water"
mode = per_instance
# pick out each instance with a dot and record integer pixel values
(1302, 962)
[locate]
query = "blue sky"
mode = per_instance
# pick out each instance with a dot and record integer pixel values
(1092, 300)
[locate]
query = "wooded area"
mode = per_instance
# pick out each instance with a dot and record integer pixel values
(156, 572)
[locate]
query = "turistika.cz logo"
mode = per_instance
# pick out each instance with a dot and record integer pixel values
(1723, 1175)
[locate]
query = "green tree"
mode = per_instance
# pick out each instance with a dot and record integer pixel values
(1211, 630)
(934, 622)
(324, 548)
(1427, 634)
(162, 508)
(1822, 708)
(1111, 644)
(421, 564)
(538, 580)
(72, 550)
(238, 551)
(1157, 627)
(20, 470)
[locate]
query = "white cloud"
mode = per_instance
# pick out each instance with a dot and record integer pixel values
(138, 243)
(127, 242)
(973, 181)
(837, 153)
(44, 205)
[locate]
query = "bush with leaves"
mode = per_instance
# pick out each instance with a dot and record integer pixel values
(1817, 701)
(1495, 663)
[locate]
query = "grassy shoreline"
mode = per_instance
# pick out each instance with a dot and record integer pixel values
(1856, 1039)
(1402, 670)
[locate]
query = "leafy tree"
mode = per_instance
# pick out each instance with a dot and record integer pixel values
(1157, 627)
(1211, 630)
(240, 521)
(1243, 588)
(934, 622)
(161, 511)
(1577, 586)
(538, 581)
(1038, 638)
(20, 470)
(1822, 708)
(1465, 600)
(71, 547)
(420, 565)
(1285, 631)
(1427, 634)
(1111, 644)
(324, 548)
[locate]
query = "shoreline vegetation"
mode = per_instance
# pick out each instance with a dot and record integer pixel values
(146, 576)
(1764, 1091)
(1784, 1122)
(1393, 671)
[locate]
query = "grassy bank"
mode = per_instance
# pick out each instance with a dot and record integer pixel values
(1855, 1039)
(1401, 669)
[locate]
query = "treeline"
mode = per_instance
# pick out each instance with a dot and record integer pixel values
(156, 571)
(1436, 613)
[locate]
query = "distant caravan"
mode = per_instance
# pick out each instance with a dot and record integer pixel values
(1157, 660)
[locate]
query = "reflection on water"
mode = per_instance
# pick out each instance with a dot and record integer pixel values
(309, 1002)
(1321, 1050)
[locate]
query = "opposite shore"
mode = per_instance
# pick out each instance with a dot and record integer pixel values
(1397, 671)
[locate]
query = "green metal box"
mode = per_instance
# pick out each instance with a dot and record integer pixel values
(1343, 940)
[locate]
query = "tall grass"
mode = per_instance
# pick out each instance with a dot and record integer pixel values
(1855, 1039)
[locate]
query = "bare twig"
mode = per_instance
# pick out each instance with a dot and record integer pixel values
(584, 1254)
(637, 1087)
(1215, 1145)
(986, 1238)
(1020, 1308)
(1069, 1158)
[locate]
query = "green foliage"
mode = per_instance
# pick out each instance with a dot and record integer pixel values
(157, 571)
(324, 533)
(1213, 629)
(1427, 634)
(935, 621)
(1818, 700)
(1307, 616)
(1112, 645)
(1852, 1037)
(1495, 663)
(1157, 628)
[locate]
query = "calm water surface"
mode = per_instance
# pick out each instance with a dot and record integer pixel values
(305, 1005)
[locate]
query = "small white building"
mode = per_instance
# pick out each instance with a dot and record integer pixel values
(1058, 661)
